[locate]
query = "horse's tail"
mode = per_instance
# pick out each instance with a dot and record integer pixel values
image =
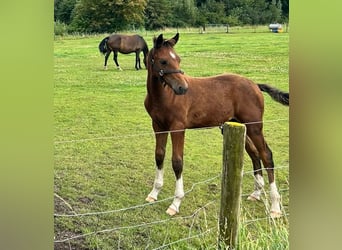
(103, 45)
(145, 49)
(144, 45)
(276, 94)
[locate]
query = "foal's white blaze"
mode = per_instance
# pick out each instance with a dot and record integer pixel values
(172, 55)
(157, 185)
(179, 194)
(258, 186)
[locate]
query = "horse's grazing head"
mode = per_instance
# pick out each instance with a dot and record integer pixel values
(163, 63)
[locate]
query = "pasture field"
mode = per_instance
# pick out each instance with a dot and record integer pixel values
(104, 148)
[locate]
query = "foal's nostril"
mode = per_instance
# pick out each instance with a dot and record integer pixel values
(182, 90)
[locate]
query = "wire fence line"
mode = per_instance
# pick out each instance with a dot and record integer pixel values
(135, 206)
(151, 133)
(148, 224)
(74, 214)
(263, 218)
(138, 225)
(186, 238)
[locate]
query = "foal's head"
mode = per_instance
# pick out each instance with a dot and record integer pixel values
(163, 63)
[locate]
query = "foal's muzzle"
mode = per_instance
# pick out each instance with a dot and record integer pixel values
(180, 90)
(178, 85)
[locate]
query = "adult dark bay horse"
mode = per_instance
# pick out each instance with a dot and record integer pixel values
(124, 44)
(176, 101)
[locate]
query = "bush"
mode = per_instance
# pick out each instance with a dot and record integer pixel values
(60, 29)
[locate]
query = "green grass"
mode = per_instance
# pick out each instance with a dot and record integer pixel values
(104, 147)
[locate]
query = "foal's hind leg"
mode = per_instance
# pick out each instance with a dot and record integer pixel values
(161, 140)
(255, 133)
(258, 179)
(274, 194)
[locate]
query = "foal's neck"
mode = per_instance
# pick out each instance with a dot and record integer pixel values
(155, 88)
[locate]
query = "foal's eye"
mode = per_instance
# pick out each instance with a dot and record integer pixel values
(163, 62)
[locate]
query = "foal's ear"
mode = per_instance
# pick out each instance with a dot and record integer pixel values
(158, 42)
(174, 40)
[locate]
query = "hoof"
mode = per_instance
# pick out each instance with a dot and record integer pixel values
(276, 214)
(105, 68)
(253, 198)
(150, 199)
(170, 211)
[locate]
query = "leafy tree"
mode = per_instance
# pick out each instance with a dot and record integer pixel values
(275, 11)
(114, 15)
(107, 15)
(184, 13)
(215, 11)
(255, 11)
(63, 10)
(258, 12)
(158, 14)
(285, 9)
(211, 11)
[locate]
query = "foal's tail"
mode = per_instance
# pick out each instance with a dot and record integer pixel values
(103, 45)
(276, 94)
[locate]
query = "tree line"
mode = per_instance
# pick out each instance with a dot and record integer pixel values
(103, 16)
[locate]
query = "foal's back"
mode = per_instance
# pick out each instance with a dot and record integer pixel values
(217, 99)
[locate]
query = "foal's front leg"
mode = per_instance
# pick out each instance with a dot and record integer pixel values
(177, 165)
(161, 140)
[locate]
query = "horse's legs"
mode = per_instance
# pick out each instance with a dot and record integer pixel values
(258, 179)
(177, 165)
(255, 133)
(115, 58)
(161, 140)
(137, 60)
(274, 194)
(106, 59)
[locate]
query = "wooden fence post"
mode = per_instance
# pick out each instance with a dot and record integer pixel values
(234, 135)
